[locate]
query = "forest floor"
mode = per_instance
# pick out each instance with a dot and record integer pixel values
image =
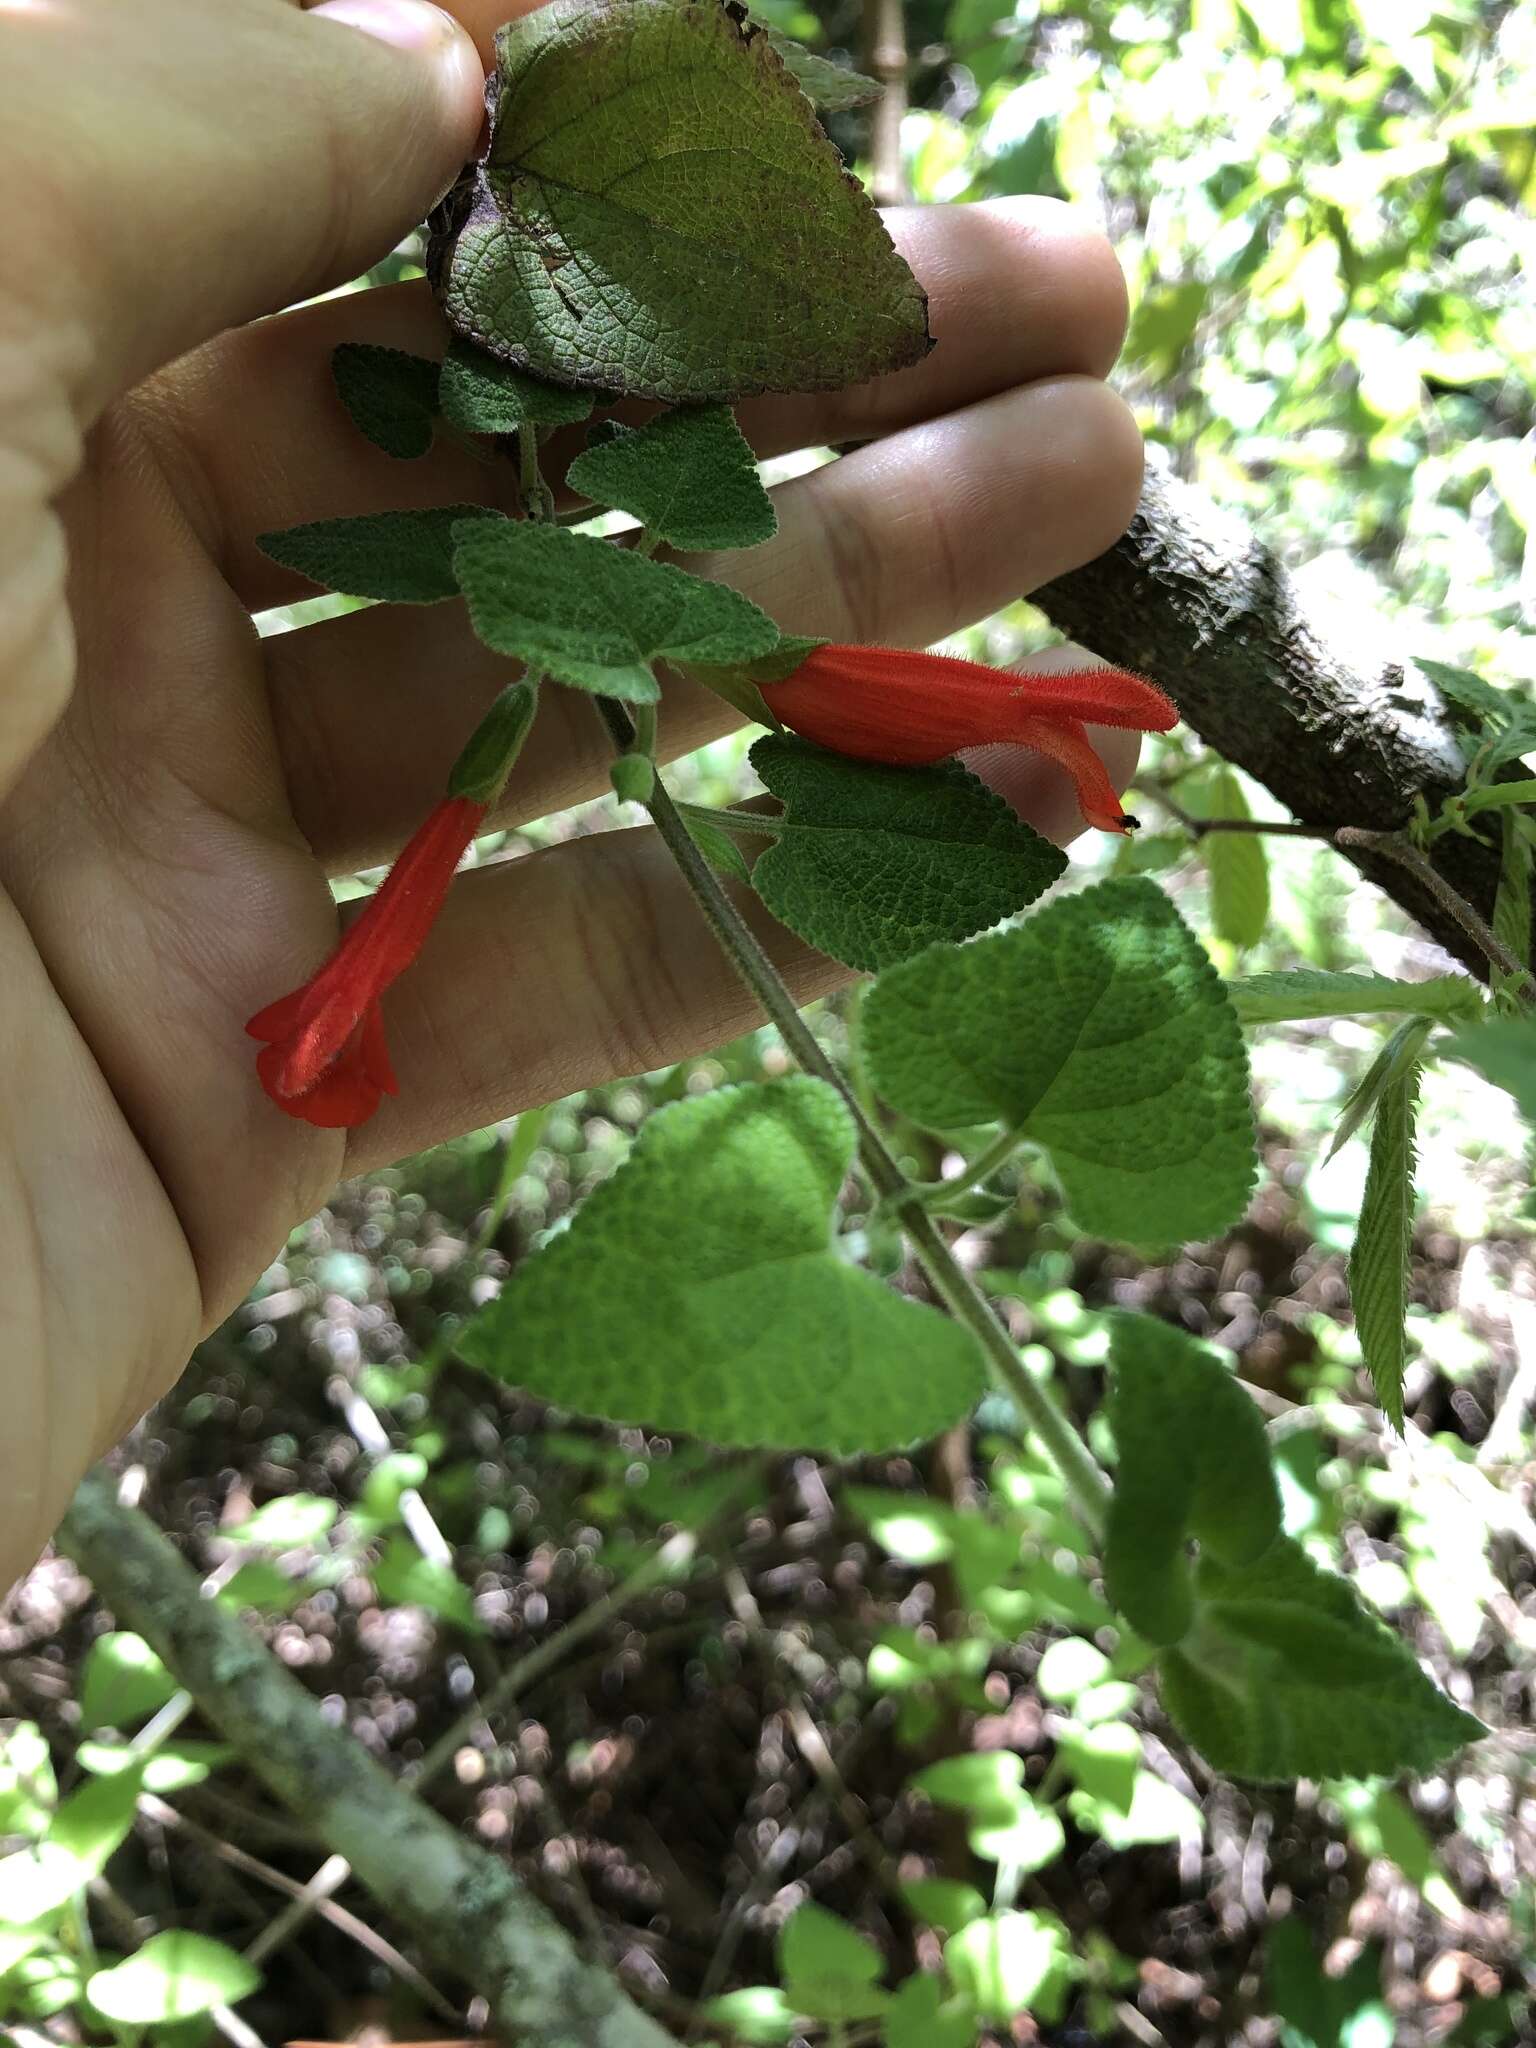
(675, 1782)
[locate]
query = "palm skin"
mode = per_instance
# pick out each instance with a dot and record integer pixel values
(176, 793)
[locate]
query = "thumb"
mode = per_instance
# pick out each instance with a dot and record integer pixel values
(232, 159)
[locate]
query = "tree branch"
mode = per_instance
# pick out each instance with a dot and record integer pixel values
(463, 1905)
(1316, 704)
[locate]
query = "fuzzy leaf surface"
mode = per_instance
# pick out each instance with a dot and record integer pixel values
(700, 1290)
(1286, 1675)
(404, 557)
(1194, 1462)
(659, 214)
(391, 395)
(481, 395)
(878, 862)
(1099, 1029)
(830, 88)
(595, 615)
(688, 475)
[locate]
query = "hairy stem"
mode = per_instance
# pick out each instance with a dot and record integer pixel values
(949, 1281)
(1397, 849)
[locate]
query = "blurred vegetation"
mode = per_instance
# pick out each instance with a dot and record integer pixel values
(1326, 211)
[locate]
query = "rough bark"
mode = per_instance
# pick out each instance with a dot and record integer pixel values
(1319, 705)
(462, 1904)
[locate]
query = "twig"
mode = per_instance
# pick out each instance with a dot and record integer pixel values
(1395, 848)
(371, 1434)
(346, 1923)
(667, 1561)
(887, 36)
(461, 1902)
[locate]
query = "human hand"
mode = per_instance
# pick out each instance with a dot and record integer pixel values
(174, 792)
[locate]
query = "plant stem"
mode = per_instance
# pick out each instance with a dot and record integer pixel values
(955, 1288)
(1394, 847)
(988, 1160)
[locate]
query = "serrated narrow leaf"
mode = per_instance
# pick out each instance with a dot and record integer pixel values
(1099, 1029)
(688, 475)
(1316, 992)
(659, 214)
(1286, 1675)
(392, 396)
(403, 557)
(1467, 691)
(830, 88)
(1379, 1264)
(481, 395)
(595, 615)
(1194, 1462)
(876, 863)
(1236, 862)
(699, 1290)
(1512, 900)
(1400, 1052)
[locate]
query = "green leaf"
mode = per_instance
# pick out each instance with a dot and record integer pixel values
(759, 2013)
(830, 88)
(391, 396)
(944, 1902)
(28, 1789)
(1164, 323)
(1099, 1029)
(1012, 1963)
(294, 1521)
(1512, 900)
(1236, 862)
(1285, 1675)
(404, 557)
(659, 214)
(1105, 1762)
(1320, 2011)
(720, 850)
(699, 1290)
(483, 396)
(876, 863)
(402, 1577)
(1393, 1059)
(1468, 692)
(174, 1976)
(688, 475)
(1194, 1461)
(829, 1969)
(87, 1829)
(1379, 1265)
(1315, 992)
(123, 1682)
(916, 2016)
(1503, 1050)
(595, 615)
(1155, 1812)
(171, 1768)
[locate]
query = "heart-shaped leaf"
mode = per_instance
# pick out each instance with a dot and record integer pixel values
(659, 214)
(1098, 1029)
(700, 1290)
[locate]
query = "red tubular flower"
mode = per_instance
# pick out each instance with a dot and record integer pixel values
(324, 1058)
(886, 704)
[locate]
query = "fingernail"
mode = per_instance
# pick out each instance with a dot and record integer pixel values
(408, 24)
